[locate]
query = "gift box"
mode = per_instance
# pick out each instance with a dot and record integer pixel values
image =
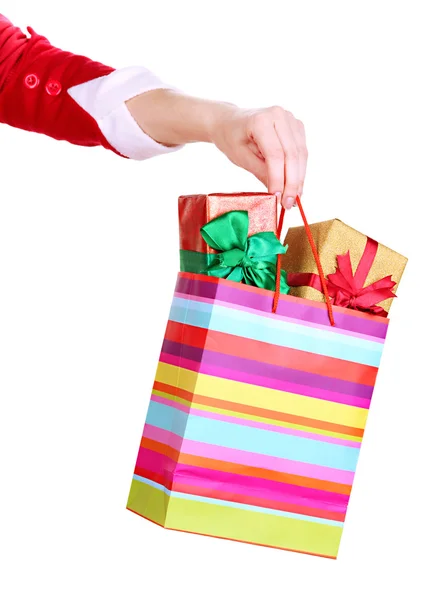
(195, 211)
(362, 273)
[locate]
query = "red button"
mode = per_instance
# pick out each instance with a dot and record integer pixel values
(53, 87)
(31, 81)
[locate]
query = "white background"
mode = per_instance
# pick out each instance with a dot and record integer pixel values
(88, 259)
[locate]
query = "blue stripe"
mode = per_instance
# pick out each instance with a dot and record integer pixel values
(251, 439)
(273, 331)
(259, 509)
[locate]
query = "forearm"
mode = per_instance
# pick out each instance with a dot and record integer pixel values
(133, 113)
(173, 118)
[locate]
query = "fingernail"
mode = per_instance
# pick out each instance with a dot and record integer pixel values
(278, 195)
(288, 202)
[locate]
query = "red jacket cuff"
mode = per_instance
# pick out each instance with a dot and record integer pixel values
(34, 79)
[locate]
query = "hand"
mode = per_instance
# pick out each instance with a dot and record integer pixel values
(270, 143)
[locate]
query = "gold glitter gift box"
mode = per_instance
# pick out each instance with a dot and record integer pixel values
(334, 239)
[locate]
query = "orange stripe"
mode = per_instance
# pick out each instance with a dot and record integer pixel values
(221, 537)
(233, 345)
(259, 412)
(238, 469)
(160, 448)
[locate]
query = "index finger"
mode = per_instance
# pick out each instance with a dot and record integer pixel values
(271, 148)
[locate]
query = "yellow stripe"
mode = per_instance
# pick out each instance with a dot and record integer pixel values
(254, 527)
(235, 523)
(230, 413)
(261, 397)
(148, 502)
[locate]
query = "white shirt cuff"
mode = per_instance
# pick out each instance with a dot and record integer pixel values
(104, 99)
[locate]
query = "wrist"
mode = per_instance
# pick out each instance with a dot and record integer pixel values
(215, 117)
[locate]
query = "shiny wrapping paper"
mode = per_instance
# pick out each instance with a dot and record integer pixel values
(197, 210)
(334, 238)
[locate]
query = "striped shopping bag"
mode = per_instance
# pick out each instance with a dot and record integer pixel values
(256, 416)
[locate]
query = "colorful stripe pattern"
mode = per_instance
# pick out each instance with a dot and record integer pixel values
(256, 419)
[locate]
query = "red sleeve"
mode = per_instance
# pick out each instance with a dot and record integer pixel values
(34, 79)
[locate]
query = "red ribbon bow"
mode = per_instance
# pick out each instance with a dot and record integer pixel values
(346, 289)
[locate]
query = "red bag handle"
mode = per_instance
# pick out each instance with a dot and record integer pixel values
(316, 258)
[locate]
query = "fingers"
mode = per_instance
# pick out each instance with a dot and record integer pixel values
(287, 139)
(281, 140)
(291, 133)
(264, 134)
(301, 143)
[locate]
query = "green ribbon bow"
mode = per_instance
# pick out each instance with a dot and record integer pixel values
(250, 260)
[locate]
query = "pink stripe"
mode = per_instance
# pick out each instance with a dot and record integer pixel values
(251, 459)
(256, 424)
(260, 313)
(245, 485)
(266, 382)
(305, 310)
(164, 437)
